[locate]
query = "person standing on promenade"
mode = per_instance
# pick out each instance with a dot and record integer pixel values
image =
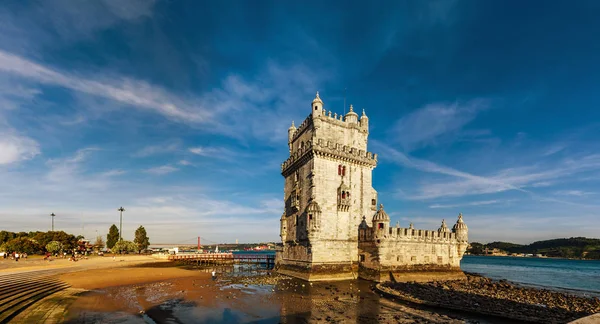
(214, 275)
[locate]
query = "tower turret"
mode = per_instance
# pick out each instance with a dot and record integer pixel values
(443, 228)
(351, 116)
(291, 132)
(313, 214)
(283, 228)
(461, 230)
(317, 106)
(364, 121)
(381, 222)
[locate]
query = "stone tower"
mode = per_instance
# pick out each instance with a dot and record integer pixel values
(327, 192)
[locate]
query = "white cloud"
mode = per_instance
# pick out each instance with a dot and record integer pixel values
(164, 169)
(474, 203)
(502, 180)
(15, 148)
(424, 126)
(240, 108)
(132, 92)
(185, 162)
(30, 27)
(113, 173)
(156, 149)
(577, 193)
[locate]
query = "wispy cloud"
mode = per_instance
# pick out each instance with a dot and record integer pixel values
(577, 193)
(503, 180)
(161, 170)
(15, 147)
(135, 93)
(426, 125)
(214, 152)
(184, 162)
(474, 203)
(113, 173)
(62, 21)
(156, 149)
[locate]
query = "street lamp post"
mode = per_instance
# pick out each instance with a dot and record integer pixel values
(121, 223)
(52, 221)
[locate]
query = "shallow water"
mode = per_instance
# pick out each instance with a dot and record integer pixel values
(578, 276)
(229, 300)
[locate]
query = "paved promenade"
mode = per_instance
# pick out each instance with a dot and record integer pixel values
(31, 290)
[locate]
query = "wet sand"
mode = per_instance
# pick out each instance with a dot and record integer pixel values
(143, 295)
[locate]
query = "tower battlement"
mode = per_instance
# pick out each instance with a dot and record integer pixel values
(328, 194)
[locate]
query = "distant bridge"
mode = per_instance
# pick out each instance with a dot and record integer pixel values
(224, 258)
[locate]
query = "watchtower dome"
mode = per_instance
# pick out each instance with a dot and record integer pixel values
(317, 106)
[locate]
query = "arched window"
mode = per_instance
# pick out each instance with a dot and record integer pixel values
(344, 170)
(316, 107)
(340, 169)
(343, 195)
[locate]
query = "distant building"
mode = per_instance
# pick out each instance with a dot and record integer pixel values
(329, 201)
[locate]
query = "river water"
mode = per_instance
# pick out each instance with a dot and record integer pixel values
(229, 300)
(576, 276)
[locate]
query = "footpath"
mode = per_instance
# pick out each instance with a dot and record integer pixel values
(31, 291)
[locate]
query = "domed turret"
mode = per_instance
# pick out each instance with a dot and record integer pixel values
(313, 207)
(381, 215)
(443, 228)
(283, 228)
(317, 106)
(381, 220)
(291, 132)
(461, 230)
(363, 224)
(364, 121)
(351, 116)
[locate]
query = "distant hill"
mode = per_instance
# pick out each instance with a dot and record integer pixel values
(574, 247)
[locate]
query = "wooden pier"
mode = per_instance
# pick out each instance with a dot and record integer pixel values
(224, 258)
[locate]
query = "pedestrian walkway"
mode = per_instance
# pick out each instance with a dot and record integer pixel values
(21, 291)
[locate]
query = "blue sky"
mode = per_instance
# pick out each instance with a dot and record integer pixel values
(178, 111)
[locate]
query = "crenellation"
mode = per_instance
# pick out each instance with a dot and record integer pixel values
(328, 191)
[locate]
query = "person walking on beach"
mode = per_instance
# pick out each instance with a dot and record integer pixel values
(214, 275)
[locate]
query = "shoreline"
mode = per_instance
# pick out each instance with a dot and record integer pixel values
(143, 287)
(525, 257)
(498, 298)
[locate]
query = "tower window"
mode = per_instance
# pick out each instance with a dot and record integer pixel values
(309, 216)
(340, 169)
(380, 226)
(316, 107)
(343, 195)
(344, 170)
(373, 202)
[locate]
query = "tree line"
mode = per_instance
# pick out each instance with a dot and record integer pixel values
(37, 242)
(60, 241)
(574, 248)
(139, 244)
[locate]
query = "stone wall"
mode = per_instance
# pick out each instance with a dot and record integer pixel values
(404, 254)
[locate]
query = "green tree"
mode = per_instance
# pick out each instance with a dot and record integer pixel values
(124, 246)
(99, 245)
(6, 236)
(141, 239)
(112, 237)
(54, 247)
(22, 245)
(69, 241)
